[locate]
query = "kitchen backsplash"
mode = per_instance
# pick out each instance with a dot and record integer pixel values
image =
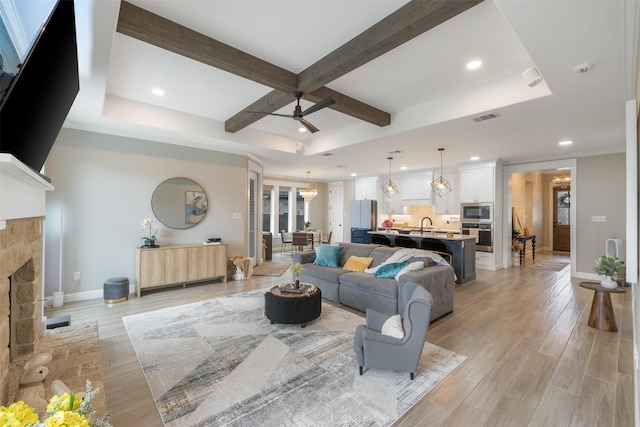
(416, 213)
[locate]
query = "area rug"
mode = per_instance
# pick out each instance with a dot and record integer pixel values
(221, 362)
(550, 265)
(270, 268)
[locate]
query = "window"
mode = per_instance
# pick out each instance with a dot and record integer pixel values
(283, 209)
(267, 207)
(289, 212)
(300, 205)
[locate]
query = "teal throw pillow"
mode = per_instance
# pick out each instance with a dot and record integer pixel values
(328, 255)
(389, 271)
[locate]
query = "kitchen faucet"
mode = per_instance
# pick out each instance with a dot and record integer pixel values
(422, 223)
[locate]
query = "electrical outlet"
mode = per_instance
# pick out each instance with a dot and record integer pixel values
(76, 276)
(598, 218)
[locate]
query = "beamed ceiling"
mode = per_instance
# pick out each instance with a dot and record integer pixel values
(396, 70)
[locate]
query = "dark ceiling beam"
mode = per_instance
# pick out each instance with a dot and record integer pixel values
(273, 101)
(148, 27)
(347, 105)
(411, 20)
(276, 99)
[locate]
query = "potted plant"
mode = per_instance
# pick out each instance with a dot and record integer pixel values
(609, 267)
(307, 225)
(150, 240)
(296, 268)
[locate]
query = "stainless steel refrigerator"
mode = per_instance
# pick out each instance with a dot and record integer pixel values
(364, 217)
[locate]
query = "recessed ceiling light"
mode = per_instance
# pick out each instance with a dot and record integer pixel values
(403, 168)
(565, 142)
(302, 129)
(473, 65)
(354, 174)
(474, 158)
(157, 91)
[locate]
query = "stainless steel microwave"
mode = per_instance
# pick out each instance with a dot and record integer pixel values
(476, 212)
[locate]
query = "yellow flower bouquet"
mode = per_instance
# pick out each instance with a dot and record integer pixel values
(68, 410)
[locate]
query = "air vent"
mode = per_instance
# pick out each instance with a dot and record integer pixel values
(486, 117)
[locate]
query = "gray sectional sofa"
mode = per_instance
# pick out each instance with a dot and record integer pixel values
(364, 290)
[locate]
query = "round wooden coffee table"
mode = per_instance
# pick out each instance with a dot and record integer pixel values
(291, 307)
(601, 316)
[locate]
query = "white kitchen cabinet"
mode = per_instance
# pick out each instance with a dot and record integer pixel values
(417, 187)
(365, 188)
(477, 185)
(392, 205)
(449, 204)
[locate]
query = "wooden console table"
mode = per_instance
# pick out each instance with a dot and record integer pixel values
(179, 264)
(523, 249)
(601, 316)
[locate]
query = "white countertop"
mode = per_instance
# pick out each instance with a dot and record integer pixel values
(429, 234)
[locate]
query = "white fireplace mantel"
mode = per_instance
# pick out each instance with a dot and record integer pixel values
(22, 191)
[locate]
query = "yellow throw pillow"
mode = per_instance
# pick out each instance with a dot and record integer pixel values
(357, 263)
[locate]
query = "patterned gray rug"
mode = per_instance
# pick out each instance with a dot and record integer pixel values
(221, 362)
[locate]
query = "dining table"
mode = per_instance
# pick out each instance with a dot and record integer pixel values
(312, 237)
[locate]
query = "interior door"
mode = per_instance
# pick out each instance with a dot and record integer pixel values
(561, 219)
(254, 214)
(336, 211)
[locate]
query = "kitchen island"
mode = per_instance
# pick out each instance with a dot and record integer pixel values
(461, 247)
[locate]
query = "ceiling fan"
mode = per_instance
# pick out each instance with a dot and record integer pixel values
(298, 114)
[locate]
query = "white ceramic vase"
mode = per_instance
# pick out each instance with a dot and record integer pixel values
(515, 256)
(608, 283)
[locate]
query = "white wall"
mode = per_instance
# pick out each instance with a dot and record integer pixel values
(601, 181)
(103, 187)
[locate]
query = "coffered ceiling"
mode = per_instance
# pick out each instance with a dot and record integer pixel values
(215, 59)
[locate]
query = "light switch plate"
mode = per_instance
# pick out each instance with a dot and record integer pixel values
(598, 218)
(237, 215)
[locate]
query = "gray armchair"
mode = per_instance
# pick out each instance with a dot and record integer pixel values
(377, 351)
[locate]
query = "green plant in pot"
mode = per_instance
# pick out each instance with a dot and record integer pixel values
(307, 225)
(297, 268)
(609, 267)
(150, 240)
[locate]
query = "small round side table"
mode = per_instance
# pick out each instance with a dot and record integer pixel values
(288, 307)
(601, 316)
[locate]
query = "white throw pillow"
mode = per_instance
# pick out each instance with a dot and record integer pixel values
(414, 266)
(393, 327)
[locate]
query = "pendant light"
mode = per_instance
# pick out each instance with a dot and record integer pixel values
(440, 185)
(389, 188)
(308, 194)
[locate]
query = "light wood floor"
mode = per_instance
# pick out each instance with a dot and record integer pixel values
(531, 358)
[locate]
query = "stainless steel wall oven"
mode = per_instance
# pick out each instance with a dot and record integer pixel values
(483, 232)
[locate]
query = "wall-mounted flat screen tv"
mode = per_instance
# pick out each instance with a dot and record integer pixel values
(37, 93)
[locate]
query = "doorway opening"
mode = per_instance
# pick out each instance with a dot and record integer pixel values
(545, 212)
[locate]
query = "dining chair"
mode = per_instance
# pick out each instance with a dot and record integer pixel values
(326, 241)
(286, 239)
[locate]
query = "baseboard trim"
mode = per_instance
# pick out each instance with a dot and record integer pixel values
(94, 294)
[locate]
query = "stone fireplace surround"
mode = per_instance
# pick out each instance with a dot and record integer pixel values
(22, 212)
(20, 269)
